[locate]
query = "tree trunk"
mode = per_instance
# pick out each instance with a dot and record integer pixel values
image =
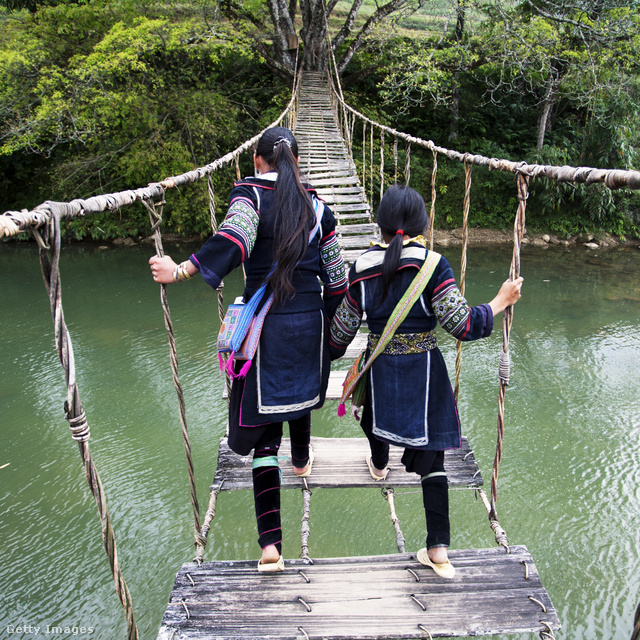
(315, 56)
(283, 30)
(379, 14)
(345, 32)
(455, 76)
(551, 92)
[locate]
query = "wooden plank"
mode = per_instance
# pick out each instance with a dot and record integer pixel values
(339, 190)
(368, 228)
(357, 241)
(364, 598)
(340, 463)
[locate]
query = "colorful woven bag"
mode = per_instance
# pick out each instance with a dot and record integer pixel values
(240, 329)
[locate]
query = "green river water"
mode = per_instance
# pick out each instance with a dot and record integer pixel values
(569, 484)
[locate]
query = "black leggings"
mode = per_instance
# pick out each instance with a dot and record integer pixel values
(429, 465)
(266, 475)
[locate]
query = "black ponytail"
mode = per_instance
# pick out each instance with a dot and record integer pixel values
(401, 211)
(292, 208)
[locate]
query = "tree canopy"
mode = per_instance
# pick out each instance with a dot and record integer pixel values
(101, 95)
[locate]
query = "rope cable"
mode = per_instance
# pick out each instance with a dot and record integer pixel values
(612, 178)
(432, 217)
(463, 266)
(507, 321)
(49, 255)
(155, 217)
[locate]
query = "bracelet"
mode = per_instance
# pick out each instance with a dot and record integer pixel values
(180, 273)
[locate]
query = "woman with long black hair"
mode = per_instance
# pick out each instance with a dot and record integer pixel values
(269, 221)
(409, 401)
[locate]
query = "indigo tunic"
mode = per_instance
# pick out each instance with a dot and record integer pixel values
(289, 374)
(409, 391)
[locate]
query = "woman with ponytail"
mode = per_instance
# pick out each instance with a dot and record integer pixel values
(271, 221)
(409, 400)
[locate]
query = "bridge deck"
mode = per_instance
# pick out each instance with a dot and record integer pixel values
(340, 463)
(325, 163)
(364, 598)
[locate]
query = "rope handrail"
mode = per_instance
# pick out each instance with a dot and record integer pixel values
(49, 249)
(13, 223)
(612, 178)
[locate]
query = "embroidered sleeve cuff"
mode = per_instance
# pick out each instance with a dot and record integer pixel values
(487, 320)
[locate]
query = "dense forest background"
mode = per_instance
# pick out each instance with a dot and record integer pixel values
(104, 95)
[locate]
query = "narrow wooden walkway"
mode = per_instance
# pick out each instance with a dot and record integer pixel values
(340, 463)
(390, 597)
(326, 164)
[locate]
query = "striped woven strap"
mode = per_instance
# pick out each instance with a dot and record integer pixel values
(401, 311)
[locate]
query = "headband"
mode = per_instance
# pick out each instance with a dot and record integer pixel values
(281, 139)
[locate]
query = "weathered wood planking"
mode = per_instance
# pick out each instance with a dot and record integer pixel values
(368, 598)
(326, 164)
(340, 463)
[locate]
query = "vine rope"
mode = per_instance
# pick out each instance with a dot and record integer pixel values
(49, 253)
(155, 217)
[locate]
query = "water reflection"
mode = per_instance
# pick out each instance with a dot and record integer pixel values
(568, 482)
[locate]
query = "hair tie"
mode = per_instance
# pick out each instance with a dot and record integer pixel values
(281, 139)
(399, 232)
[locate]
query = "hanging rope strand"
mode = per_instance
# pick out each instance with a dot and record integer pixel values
(49, 264)
(463, 265)
(407, 164)
(395, 160)
(432, 217)
(220, 293)
(381, 163)
(155, 217)
(371, 167)
(507, 321)
(364, 155)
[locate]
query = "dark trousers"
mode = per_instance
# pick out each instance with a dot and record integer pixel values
(266, 475)
(429, 465)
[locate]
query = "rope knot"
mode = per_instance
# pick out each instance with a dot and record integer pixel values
(78, 425)
(504, 366)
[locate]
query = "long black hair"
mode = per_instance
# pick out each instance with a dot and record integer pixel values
(292, 208)
(401, 211)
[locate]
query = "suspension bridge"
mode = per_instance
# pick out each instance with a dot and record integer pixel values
(495, 591)
(359, 597)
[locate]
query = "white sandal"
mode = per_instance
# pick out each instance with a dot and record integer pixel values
(374, 475)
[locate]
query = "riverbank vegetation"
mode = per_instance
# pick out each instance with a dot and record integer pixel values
(99, 96)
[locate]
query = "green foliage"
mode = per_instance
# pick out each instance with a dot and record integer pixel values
(106, 96)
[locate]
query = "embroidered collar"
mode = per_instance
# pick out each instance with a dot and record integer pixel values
(374, 259)
(420, 239)
(270, 175)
